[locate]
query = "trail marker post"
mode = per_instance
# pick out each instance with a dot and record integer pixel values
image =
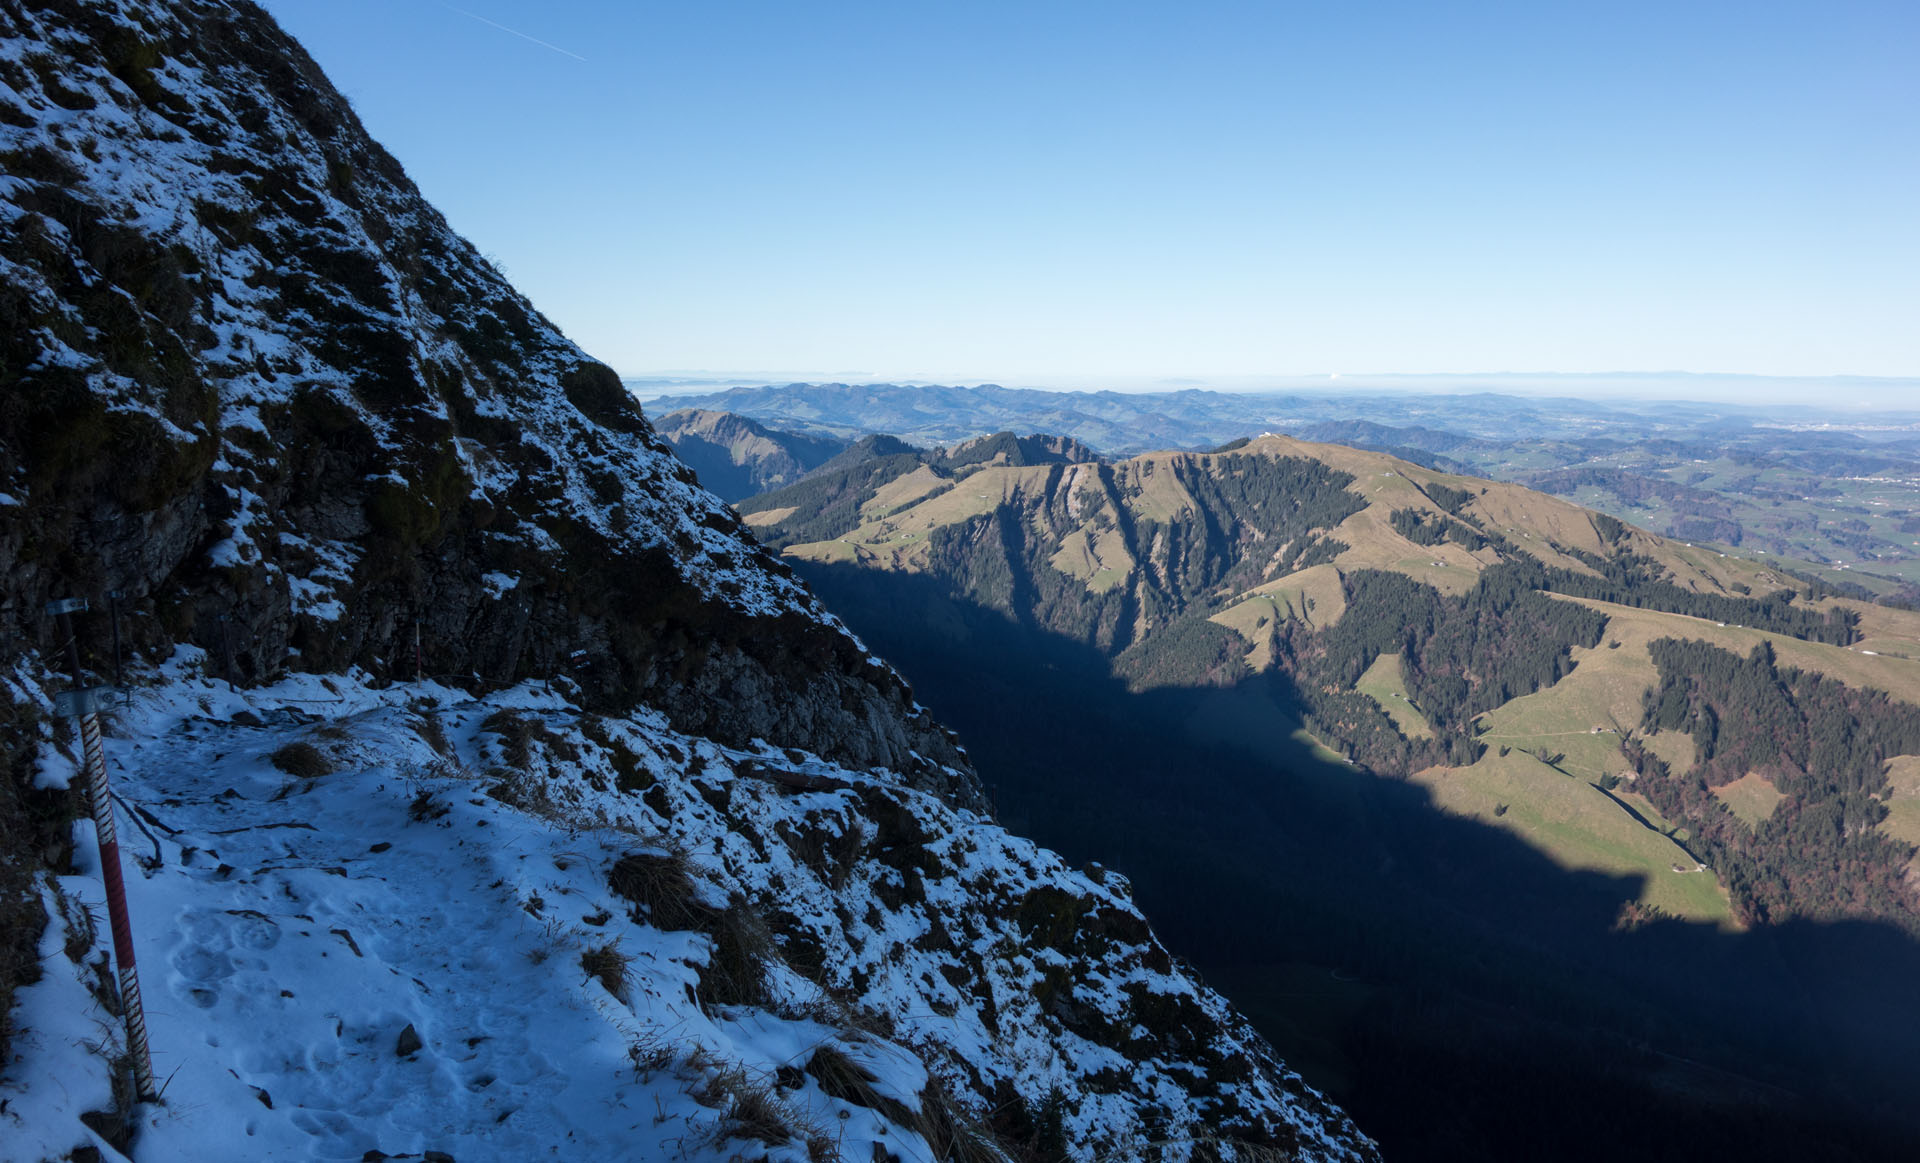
(82, 705)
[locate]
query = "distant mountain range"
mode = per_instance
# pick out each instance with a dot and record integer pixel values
(1840, 490)
(1114, 422)
(1191, 419)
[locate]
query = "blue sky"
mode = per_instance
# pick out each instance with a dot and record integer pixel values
(1049, 191)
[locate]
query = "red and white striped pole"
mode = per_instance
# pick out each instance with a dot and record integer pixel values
(80, 703)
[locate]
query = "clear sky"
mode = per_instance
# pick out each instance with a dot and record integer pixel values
(1024, 191)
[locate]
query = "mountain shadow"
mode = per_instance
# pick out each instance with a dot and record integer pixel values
(1463, 995)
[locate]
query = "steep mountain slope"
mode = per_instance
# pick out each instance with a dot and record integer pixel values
(736, 457)
(256, 384)
(495, 793)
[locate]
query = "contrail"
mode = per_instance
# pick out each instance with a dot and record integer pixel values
(514, 31)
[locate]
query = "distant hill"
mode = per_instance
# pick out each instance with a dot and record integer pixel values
(1120, 423)
(1426, 447)
(1253, 675)
(735, 457)
(932, 414)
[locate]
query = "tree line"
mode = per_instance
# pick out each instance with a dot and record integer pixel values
(1460, 656)
(1631, 579)
(1823, 745)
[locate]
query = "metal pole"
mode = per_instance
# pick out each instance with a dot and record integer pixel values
(417, 668)
(80, 704)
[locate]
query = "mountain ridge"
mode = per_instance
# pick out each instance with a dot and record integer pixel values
(736, 457)
(1835, 489)
(1212, 567)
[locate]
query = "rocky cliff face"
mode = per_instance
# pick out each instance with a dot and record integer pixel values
(252, 382)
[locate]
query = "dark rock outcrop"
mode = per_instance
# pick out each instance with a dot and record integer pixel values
(249, 378)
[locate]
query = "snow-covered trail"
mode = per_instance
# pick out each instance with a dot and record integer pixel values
(292, 931)
(332, 921)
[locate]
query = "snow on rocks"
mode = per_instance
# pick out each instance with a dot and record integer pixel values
(293, 302)
(601, 938)
(261, 387)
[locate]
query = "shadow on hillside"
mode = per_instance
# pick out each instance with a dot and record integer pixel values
(1460, 993)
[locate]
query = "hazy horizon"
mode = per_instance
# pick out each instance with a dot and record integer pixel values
(1899, 394)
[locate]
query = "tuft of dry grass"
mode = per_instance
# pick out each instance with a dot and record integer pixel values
(758, 1113)
(83, 926)
(1240, 1150)
(661, 887)
(955, 1135)
(518, 733)
(426, 806)
(608, 964)
(302, 760)
(431, 732)
(752, 1108)
(843, 1078)
(650, 1055)
(953, 1132)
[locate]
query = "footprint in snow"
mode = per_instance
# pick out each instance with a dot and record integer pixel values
(199, 962)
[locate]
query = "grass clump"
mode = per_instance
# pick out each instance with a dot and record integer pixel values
(953, 1133)
(651, 1054)
(431, 732)
(519, 732)
(426, 806)
(608, 964)
(752, 1108)
(661, 887)
(302, 760)
(755, 1112)
(843, 1078)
